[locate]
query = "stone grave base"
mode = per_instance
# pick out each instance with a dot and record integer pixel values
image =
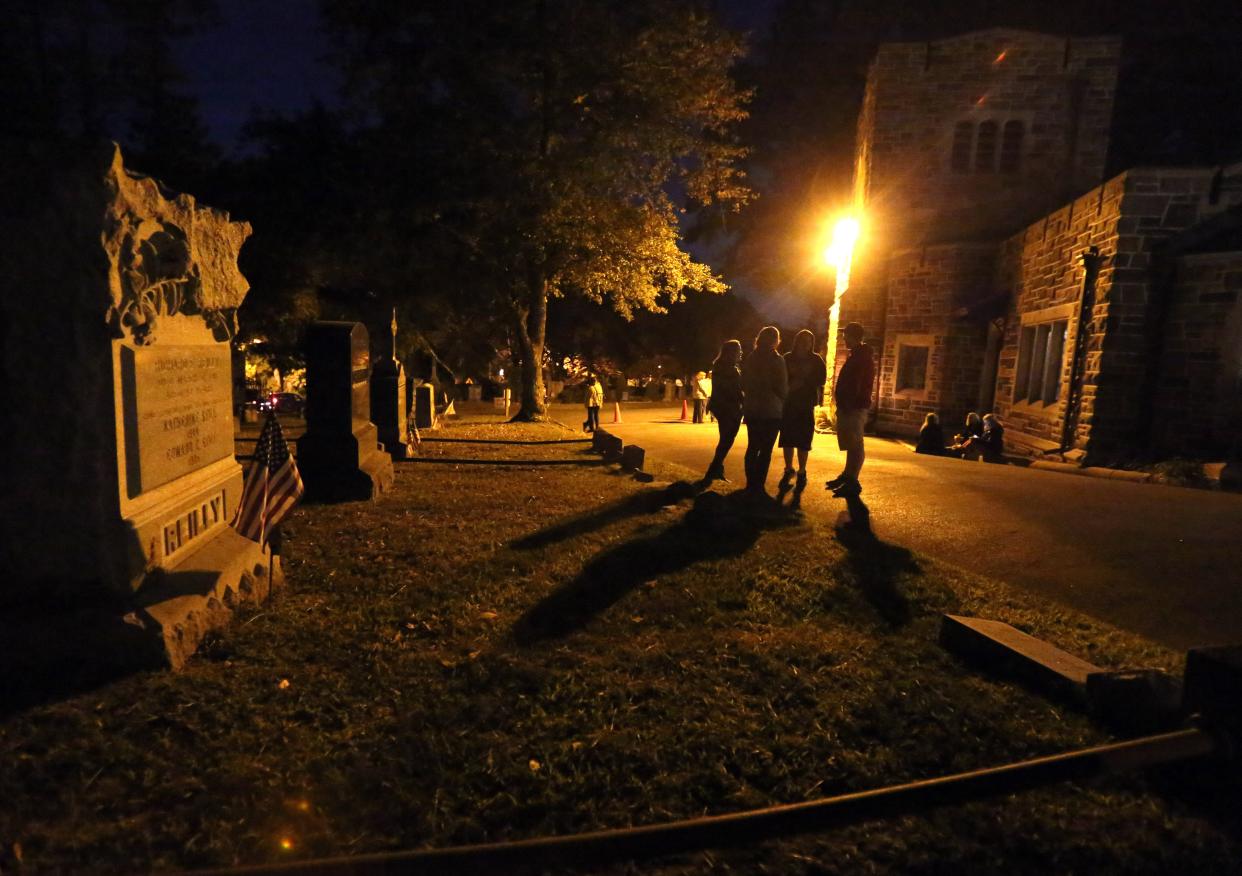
(181, 606)
(46, 653)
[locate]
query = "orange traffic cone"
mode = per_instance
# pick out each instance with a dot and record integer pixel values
(683, 409)
(616, 412)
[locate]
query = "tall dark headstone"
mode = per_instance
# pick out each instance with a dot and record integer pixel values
(340, 456)
(388, 407)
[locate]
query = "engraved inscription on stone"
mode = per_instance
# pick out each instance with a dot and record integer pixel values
(177, 409)
(193, 524)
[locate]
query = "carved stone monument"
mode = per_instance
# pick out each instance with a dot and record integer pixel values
(340, 456)
(118, 468)
(388, 406)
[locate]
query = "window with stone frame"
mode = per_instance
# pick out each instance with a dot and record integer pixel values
(1041, 351)
(1011, 146)
(963, 141)
(912, 367)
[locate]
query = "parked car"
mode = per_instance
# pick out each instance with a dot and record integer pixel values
(285, 403)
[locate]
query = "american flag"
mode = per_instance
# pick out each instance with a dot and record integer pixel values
(273, 485)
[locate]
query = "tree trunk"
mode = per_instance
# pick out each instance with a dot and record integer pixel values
(532, 322)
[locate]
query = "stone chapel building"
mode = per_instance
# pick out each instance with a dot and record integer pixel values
(1001, 272)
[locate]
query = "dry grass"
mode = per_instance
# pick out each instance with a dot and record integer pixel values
(494, 652)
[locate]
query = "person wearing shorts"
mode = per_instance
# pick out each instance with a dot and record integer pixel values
(852, 394)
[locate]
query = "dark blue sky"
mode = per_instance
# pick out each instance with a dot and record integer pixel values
(270, 54)
(264, 54)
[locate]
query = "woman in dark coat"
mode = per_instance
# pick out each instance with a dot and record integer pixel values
(725, 404)
(807, 376)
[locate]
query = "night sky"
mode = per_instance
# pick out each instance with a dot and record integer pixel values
(271, 55)
(263, 55)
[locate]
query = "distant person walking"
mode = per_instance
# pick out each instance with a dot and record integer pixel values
(764, 387)
(852, 394)
(931, 437)
(594, 399)
(699, 386)
(807, 375)
(725, 404)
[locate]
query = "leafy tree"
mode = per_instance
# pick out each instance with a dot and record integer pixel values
(554, 134)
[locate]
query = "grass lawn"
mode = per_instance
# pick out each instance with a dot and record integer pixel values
(507, 651)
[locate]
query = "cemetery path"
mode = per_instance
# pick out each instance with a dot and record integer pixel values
(1164, 562)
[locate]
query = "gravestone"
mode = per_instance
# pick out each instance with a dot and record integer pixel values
(425, 406)
(119, 472)
(388, 407)
(339, 455)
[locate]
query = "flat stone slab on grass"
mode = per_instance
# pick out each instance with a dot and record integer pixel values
(997, 644)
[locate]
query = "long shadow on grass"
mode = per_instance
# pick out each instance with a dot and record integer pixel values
(645, 502)
(716, 527)
(876, 565)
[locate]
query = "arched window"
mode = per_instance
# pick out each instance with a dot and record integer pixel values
(985, 147)
(1011, 147)
(963, 139)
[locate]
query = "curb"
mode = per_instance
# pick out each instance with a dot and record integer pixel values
(1095, 471)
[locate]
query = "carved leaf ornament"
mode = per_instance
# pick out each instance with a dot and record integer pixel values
(159, 278)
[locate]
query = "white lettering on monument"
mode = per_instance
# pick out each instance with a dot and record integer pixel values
(183, 397)
(193, 523)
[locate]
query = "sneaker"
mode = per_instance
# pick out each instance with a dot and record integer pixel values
(787, 478)
(848, 490)
(800, 483)
(835, 483)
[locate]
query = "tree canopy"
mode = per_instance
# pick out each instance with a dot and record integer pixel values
(553, 145)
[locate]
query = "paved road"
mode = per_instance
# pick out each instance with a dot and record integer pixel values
(1164, 562)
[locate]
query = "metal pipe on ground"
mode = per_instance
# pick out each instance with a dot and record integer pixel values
(744, 828)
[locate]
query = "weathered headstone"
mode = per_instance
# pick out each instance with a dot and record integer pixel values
(425, 406)
(119, 476)
(633, 457)
(388, 407)
(340, 456)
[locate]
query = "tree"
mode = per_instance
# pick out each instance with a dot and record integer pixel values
(557, 135)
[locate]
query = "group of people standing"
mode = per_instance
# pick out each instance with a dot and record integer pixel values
(776, 397)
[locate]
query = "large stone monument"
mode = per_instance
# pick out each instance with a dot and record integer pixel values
(340, 456)
(119, 479)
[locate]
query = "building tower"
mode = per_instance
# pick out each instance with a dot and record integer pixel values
(961, 142)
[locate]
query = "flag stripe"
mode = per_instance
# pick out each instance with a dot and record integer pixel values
(272, 485)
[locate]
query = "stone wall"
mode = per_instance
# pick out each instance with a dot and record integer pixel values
(1135, 222)
(1198, 395)
(934, 293)
(1040, 270)
(1057, 89)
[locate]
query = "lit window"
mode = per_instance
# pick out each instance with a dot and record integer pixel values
(1011, 147)
(963, 139)
(985, 147)
(1041, 348)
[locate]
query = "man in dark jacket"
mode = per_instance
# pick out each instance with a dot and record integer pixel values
(852, 394)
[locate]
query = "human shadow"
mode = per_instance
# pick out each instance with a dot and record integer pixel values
(716, 527)
(644, 502)
(876, 564)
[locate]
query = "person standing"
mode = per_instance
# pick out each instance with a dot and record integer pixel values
(852, 394)
(700, 396)
(725, 404)
(764, 387)
(807, 375)
(594, 401)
